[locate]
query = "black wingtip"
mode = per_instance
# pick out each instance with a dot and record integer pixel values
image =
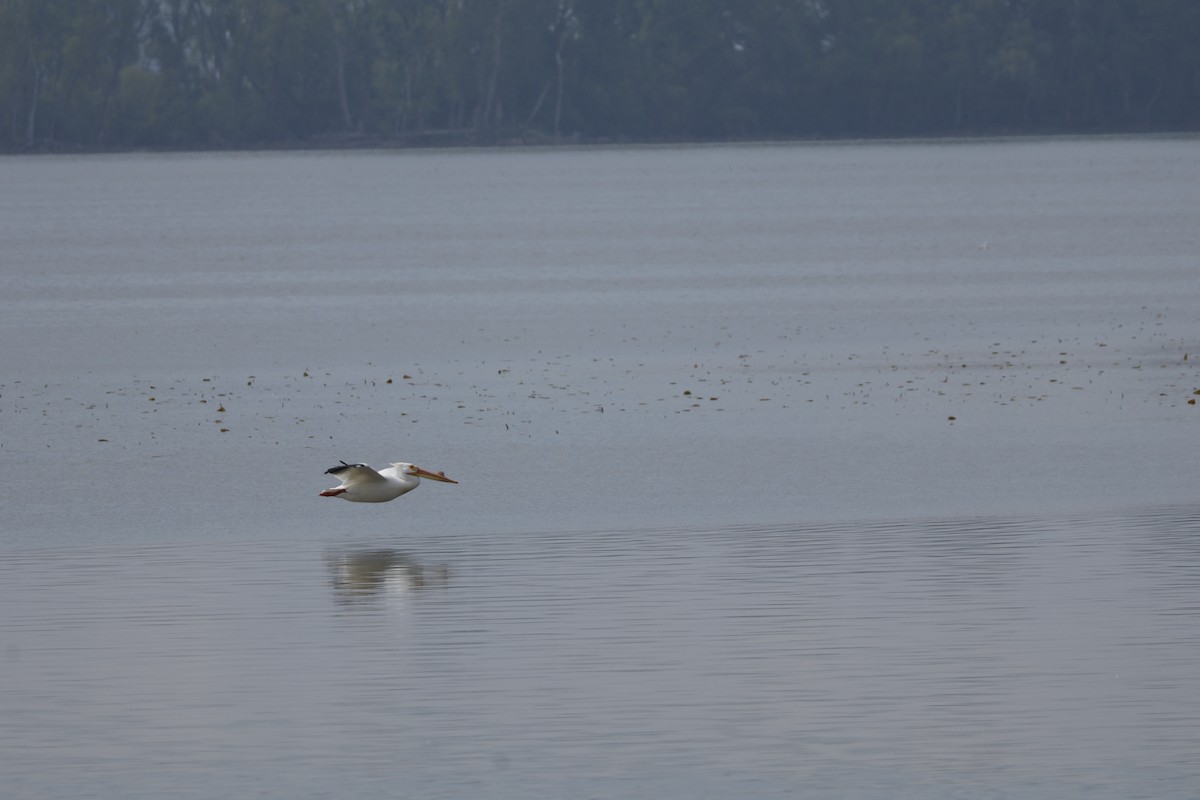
(343, 467)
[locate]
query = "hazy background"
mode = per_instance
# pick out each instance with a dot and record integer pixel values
(203, 73)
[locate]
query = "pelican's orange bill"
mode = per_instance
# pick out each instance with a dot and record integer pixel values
(433, 476)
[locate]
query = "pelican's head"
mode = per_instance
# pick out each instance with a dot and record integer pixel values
(413, 469)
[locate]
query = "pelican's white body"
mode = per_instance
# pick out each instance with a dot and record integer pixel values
(362, 484)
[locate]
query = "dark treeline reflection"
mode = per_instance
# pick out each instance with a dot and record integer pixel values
(188, 73)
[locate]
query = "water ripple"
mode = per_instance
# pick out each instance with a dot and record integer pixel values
(928, 656)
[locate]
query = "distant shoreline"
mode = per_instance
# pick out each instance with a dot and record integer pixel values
(466, 140)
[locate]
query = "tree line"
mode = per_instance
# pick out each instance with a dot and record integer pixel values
(229, 73)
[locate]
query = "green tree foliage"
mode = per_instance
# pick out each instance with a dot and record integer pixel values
(200, 73)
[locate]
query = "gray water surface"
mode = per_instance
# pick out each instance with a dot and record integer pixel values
(859, 470)
(957, 658)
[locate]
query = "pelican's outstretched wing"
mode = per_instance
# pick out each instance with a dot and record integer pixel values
(355, 473)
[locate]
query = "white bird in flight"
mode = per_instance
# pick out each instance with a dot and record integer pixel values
(361, 484)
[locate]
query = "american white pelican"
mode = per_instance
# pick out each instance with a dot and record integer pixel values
(361, 484)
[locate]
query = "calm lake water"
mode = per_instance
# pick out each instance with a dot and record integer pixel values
(826, 470)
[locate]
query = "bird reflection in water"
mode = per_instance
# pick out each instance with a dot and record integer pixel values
(359, 575)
